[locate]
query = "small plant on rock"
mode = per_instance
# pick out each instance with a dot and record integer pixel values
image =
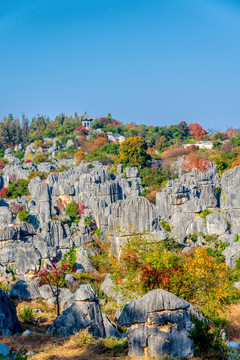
(15, 208)
(23, 216)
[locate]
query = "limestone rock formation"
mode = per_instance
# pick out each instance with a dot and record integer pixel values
(9, 323)
(158, 324)
(84, 313)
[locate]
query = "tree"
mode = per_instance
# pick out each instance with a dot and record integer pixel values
(196, 276)
(133, 152)
(53, 275)
(197, 131)
(194, 161)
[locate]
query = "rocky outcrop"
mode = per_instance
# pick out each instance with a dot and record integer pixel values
(184, 198)
(158, 324)
(9, 323)
(84, 313)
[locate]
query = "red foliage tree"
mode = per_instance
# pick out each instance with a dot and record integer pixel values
(95, 144)
(3, 193)
(1, 165)
(82, 129)
(197, 131)
(81, 208)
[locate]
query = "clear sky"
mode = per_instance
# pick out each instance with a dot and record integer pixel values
(156, 62)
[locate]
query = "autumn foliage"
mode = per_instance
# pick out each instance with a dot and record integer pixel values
(197, 131)
(236, 162)
(196, 276)
(3, 193)
(194, 161)
(133, 152)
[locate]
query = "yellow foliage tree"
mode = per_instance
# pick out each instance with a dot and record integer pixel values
(79, 156)
(132, 152)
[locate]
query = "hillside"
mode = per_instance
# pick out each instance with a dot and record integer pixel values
(117, 213)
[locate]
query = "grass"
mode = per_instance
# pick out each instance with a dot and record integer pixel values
(233, 326)
(82, 345)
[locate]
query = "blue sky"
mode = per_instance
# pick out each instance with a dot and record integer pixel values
(156, 62)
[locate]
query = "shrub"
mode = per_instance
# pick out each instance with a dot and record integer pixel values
(70, 259)
(26, 314)
(19, 154)
(206, 339)
(3, 193)
(165, 225)
(115, 345)
(5, 287)
(18, 188)
(88, 221)
(90, 166)
(23, 216)
(72, 209)
(204, 215)
(197, 276)
(82, 339)
(15, 208)
(34, 174)
(39, 158)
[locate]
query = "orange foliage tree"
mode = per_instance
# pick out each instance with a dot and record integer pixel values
(79, 156)
(197, 131)
(236, 162)
(95, 144)
(194, 161)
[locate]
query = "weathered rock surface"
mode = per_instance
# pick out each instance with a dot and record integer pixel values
(9, 323)
(84, 313)
(158, 324)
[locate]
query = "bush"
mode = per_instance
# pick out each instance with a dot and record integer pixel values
(15, 208)
(70, 258)
(23, 216)
(18, 188)
(3, 193)
(165, 225)
(40, 158)
(205, 338)
(19, 154)
(72, 209)
(197, 276)
(26, 314)
(82, 339)
(88, 221)
(5, 287)
(34, 174)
